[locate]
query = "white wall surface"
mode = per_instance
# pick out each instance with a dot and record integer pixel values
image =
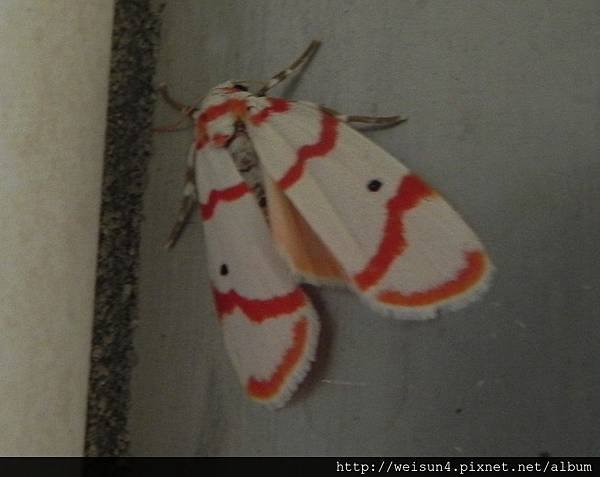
(502, 99)
(53, 97)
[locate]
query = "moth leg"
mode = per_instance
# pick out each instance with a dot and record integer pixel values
(188, 201)
(171, 127)
(376, 120)
(297, 65)
(188, 111)
(166, 96)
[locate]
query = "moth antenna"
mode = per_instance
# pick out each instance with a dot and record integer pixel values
(383, 121)
(297, 65)
(374, 120)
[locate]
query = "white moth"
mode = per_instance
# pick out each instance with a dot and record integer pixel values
(290, 193)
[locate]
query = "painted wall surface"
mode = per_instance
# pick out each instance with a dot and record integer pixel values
(502, 100)
(53, 96)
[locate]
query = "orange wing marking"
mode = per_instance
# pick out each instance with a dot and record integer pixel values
(265, 389)
(476, 264)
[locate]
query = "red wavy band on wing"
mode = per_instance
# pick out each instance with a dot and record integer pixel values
(277, 105)
(228, 195)
(258, 310)
(464, 279)
(410, 192)
(322, 147)
(235, 106)
(268, 388)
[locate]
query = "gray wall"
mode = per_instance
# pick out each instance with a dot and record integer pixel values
(503, 101)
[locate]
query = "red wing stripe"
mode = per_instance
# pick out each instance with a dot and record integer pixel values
(322, 147)
(277, 105)
(237, 107)
(265, 389)
(228, 194)
(410, 192)
(464, 279)
(258, 310)
(211, 113)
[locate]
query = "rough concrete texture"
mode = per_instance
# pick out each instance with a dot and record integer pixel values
(502, 100)
(128, 141)
(53, 94)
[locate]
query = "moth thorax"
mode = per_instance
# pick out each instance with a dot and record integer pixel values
(247, 163)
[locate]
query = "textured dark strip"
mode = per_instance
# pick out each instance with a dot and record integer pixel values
(128, 142)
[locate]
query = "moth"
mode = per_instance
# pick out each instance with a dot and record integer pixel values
(289, 192)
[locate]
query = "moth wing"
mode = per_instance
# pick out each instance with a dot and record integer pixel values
(270, 327)
(395, 240)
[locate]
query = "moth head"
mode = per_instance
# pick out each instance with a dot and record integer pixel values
(222, 92)
(239, 86)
